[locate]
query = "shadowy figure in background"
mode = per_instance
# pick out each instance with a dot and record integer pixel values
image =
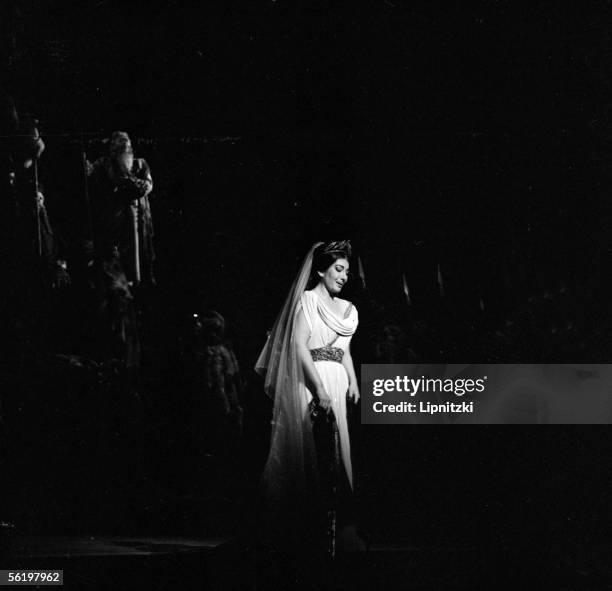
(120, 185)
(222, 385)
(390, 345)
(215, 386)
(28, 148)
(9, 124)
(55, 267)
(29, 251)
(27, 242)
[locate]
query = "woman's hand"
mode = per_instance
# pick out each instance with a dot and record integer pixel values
(353, 393)
(323, 398)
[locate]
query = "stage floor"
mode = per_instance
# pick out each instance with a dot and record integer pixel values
(87, 546)
(146, 562)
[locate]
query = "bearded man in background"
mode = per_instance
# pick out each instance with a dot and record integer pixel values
(120, 185)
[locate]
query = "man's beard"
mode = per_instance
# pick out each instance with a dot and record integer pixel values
(124, 162)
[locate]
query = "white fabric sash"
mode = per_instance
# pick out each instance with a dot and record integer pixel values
(343, 326)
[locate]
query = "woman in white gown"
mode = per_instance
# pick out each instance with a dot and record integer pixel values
(309, 370)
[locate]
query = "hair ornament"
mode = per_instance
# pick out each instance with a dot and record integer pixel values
(343, 246)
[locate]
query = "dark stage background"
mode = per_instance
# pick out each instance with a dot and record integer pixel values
(465, 151)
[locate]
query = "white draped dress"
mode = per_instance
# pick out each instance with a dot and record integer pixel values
(326, 328)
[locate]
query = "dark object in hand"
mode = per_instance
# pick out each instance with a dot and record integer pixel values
(132, 187)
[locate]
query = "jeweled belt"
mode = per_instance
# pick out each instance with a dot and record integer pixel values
(327, 354)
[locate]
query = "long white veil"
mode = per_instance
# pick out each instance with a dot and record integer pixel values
(290, 475)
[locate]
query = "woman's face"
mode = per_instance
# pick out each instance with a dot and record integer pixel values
(335, 277)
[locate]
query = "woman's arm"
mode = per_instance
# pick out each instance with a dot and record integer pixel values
(347, 361)
(313, 379)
